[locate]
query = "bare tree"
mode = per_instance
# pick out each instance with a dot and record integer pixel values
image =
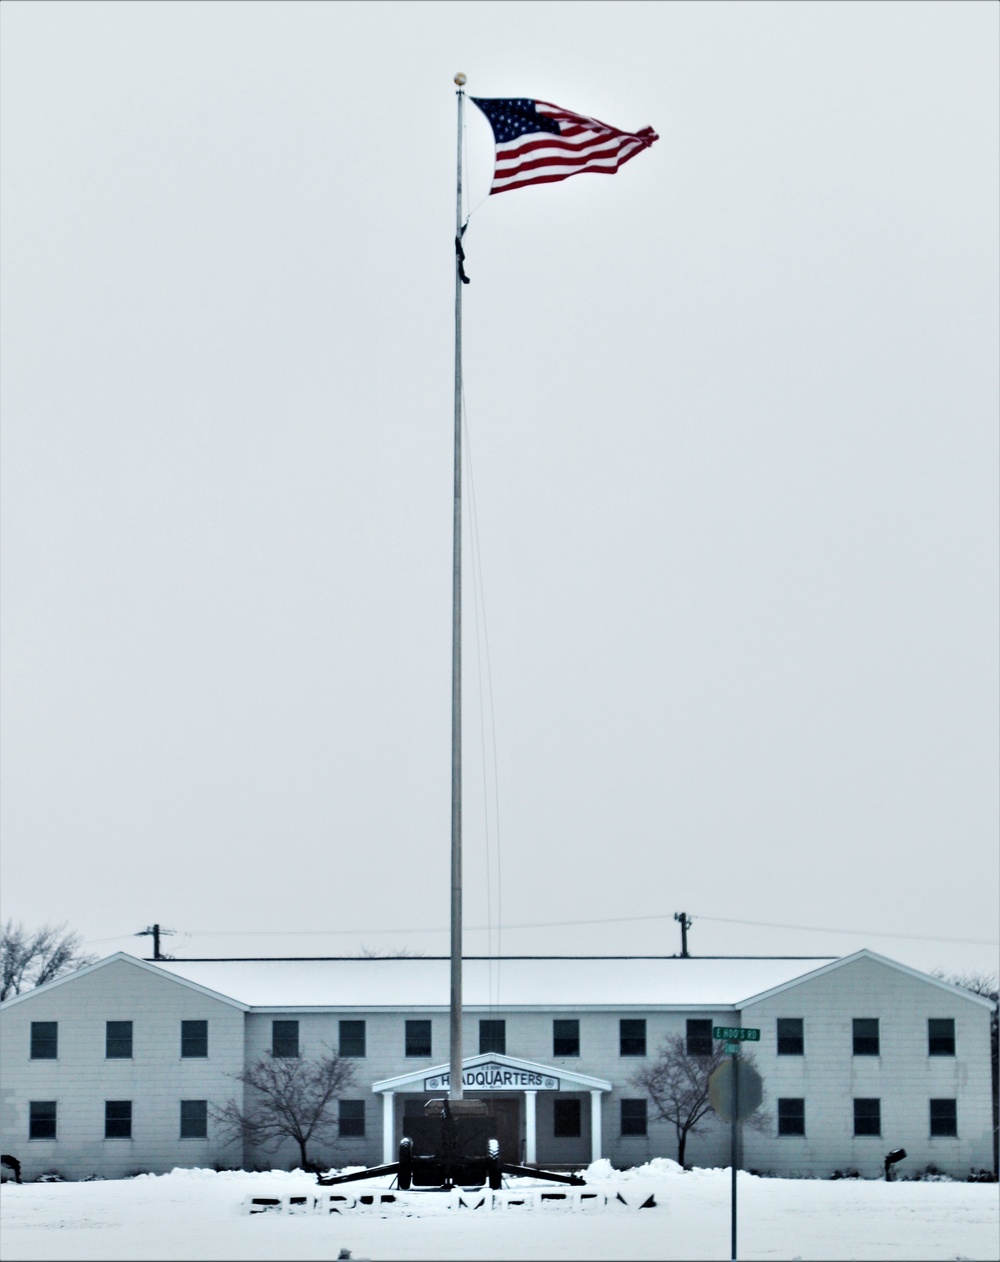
(33, 957)
(289, 1097)
(676, 1081)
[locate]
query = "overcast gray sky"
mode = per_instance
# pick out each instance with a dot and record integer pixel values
(733, 423)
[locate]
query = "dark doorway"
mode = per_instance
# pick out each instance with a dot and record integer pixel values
(506, 1114)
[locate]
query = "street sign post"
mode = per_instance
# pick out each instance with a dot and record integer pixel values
(735, 1090)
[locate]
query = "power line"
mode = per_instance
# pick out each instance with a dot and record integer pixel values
(559, 924)
(860, 933)
(423, 959)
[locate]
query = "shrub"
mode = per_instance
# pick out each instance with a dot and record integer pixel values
(929, 1174)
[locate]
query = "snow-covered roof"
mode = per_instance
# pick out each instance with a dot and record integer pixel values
(514, 983)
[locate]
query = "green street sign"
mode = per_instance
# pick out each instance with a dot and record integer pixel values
(736, 1033)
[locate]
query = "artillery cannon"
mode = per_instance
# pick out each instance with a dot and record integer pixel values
(451, 1145)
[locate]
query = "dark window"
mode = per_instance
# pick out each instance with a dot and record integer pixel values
(284, 1039)
(352, 1119)
(866, 1036)
(867, 1117)
(194, 1038)
(791, 1041)
(418, 1038)
(791, 1116)
(566, 1118)
(566, 1038)
(699, 1037)
(42, 1119)
(117, 1119)
(493, 1037)
(44, 1040)
(352, 1038)
(632, 1037)
(118, 1040)
(633, 1117)
(941, 1036)
(194, 1119)
(944, 1117)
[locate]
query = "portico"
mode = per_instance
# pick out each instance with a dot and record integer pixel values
(494, 1075)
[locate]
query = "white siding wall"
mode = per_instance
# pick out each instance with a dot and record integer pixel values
(156, 1079)
(828, 1076)
(904, 1077)
(529, 1037)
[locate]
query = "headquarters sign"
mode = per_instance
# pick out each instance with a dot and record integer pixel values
(492, 1076)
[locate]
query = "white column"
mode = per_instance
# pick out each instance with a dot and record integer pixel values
(388, 1126)
(530, 1132)
(595, 1125)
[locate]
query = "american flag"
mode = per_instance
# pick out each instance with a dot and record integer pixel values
(538, 143)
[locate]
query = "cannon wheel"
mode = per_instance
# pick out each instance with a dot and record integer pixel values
(493, 1171)
(405, 1174)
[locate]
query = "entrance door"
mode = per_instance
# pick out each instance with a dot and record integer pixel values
(506, 1114)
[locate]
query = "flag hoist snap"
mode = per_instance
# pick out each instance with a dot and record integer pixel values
(539, 143)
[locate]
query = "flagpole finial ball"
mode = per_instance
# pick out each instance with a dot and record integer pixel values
(460, 79)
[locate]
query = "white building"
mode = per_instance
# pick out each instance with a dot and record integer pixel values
(115, 1069)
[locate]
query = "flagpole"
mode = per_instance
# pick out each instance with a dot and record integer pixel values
(455, 1076)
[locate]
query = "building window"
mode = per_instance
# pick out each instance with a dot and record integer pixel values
(117, 1119)
(493, 1037)
(418, 1038)
(791, 1116)
(632, 1037)
(633, 1117)
(941, 1036)
(791, 1040)
(944, 1117)
(118, 1040)
(194, 1038)
(284, 1039)
(566, 1119)
(867, 1117)
(866, 1036)
(352, 1038)
(699, 1037)
(566, 1038)
(42, 1119)
(44, 1040)
(194, 1119)
(352, 1119)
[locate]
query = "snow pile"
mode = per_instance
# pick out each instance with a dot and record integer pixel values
(598, 1171)
(196, 1216)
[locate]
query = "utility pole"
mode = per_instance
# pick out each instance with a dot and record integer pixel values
(685, 923)
(154, 932)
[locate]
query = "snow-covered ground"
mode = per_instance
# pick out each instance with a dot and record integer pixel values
(200, 1215)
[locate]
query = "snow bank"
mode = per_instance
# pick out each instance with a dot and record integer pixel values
(195, 1216)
